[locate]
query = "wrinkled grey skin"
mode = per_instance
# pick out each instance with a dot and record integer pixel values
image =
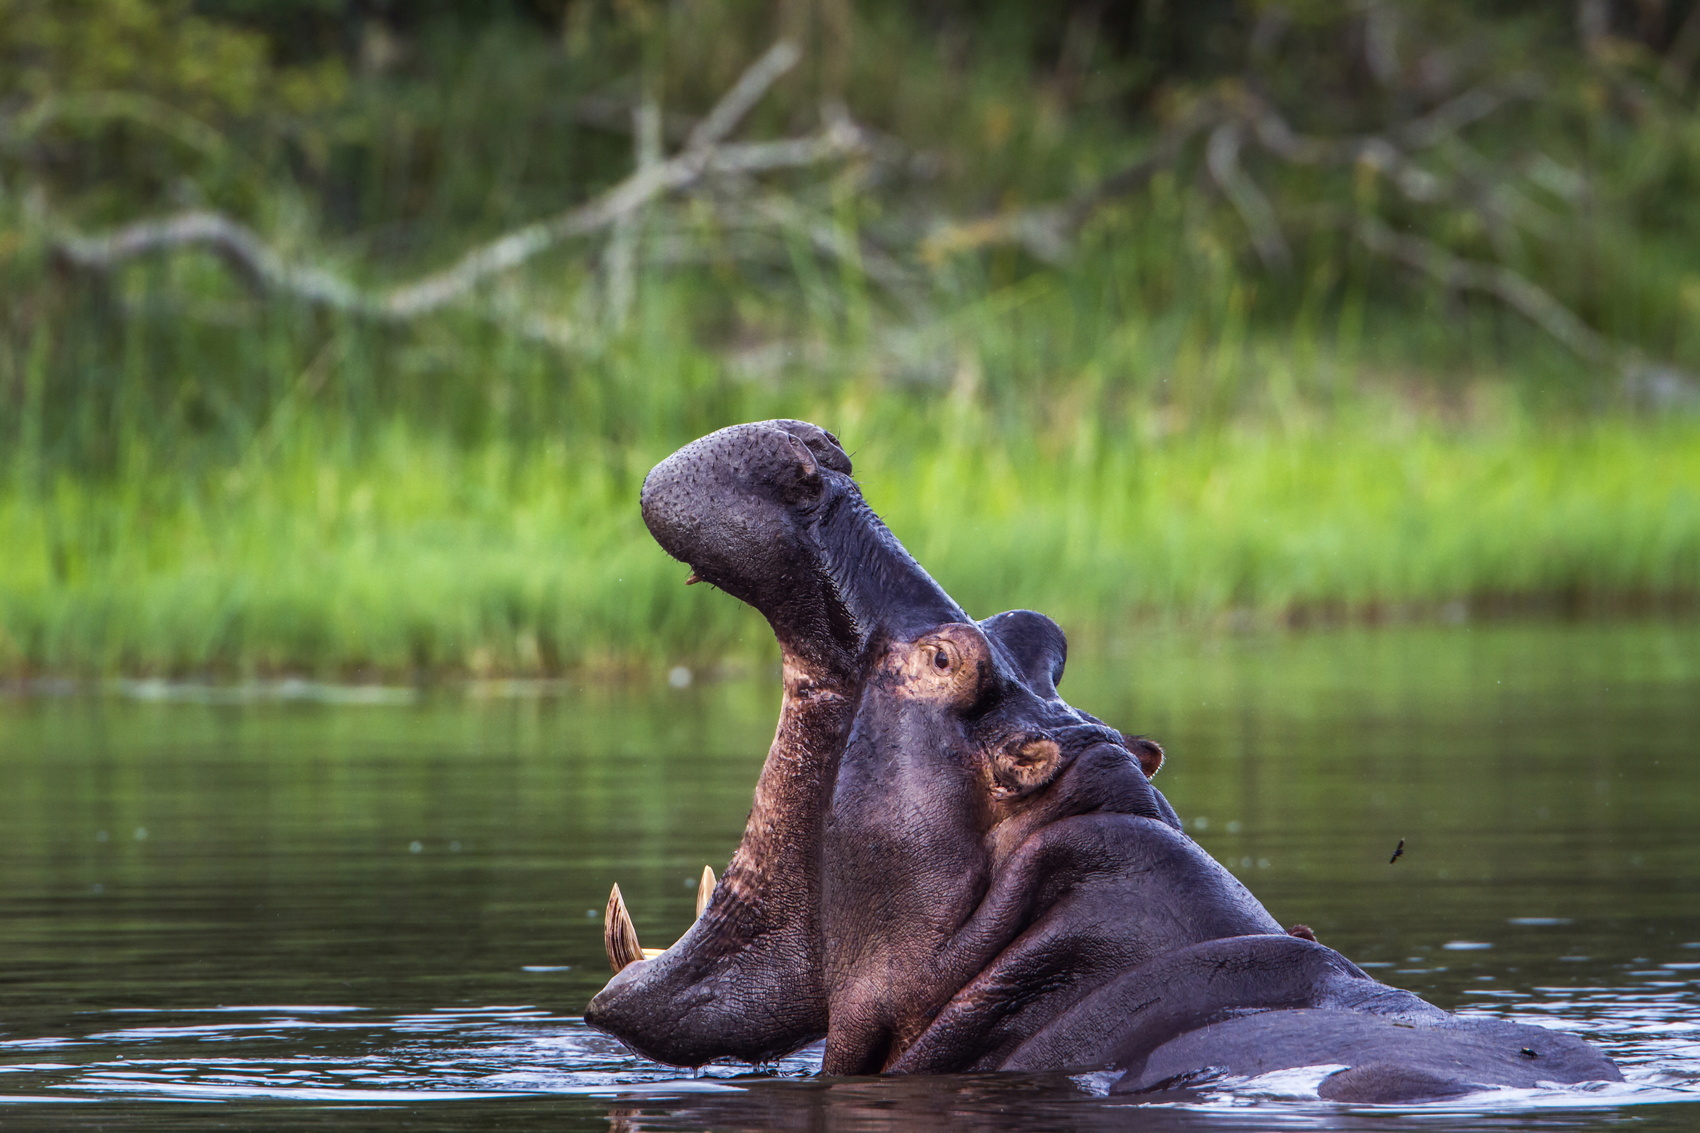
(949, 868)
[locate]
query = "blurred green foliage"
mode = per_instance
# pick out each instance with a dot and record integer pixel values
(198, 473)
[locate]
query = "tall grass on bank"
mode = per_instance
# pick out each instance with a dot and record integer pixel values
(418, 556)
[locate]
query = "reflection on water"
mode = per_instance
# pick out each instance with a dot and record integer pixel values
(417, 878)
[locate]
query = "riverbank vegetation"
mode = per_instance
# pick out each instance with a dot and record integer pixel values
(337, 339)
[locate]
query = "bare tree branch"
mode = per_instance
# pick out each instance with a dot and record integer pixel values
(704, 156)
(1490, 198)
(743, 96)
(621, 255)
(1227, 119)
(1516, 291)
(607, 112)
(1463, 110)
(642, 186)
(699, 156)
(1222, 158)
(1047, 229)
(235, 241)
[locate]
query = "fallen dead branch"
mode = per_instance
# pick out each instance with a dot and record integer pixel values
(1227, 139)
(1222, 158)
(705, 155)
(243, 248)
(1228, 121)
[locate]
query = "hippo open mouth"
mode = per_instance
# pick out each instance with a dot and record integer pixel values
(768, 513)
(949, 868)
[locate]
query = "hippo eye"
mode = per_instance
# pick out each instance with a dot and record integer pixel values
(941, 660)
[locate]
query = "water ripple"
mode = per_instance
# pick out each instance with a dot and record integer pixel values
(338, 1055)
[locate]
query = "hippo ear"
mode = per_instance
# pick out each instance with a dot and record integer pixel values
(1149, 754)
(1022, 767)
(1034, 644)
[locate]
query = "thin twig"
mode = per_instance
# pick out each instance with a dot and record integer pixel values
(1046, 230)
(606, 112)
(700, 155)
(1516, 291)
(1222, 158)
(1133, 178)
(620, 257)
(824, 238)
(742, 98)
(1463, 110)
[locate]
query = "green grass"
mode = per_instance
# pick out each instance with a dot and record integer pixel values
(421, 557)
(287, 493)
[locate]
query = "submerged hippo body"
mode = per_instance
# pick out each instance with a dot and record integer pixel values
(949, 868)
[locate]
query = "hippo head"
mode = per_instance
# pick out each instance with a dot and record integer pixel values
(959, 753)
(914, 747)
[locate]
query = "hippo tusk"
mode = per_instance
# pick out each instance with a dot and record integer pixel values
(705, 889)
(619, 935)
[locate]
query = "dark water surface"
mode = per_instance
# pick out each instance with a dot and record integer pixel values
(291, 906)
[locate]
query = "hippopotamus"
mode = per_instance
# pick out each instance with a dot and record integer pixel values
(949, 868)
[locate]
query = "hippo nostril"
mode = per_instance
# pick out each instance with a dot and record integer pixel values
(804, 482)
(805, 458)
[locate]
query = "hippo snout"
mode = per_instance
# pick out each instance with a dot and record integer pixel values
(720, 503)
(768, 513)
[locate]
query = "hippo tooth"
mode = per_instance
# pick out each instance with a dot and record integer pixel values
(705, 889)
(619, 935)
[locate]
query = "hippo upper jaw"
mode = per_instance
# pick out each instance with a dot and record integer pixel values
(768, 512)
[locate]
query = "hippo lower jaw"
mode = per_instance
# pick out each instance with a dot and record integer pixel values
(744, 981)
